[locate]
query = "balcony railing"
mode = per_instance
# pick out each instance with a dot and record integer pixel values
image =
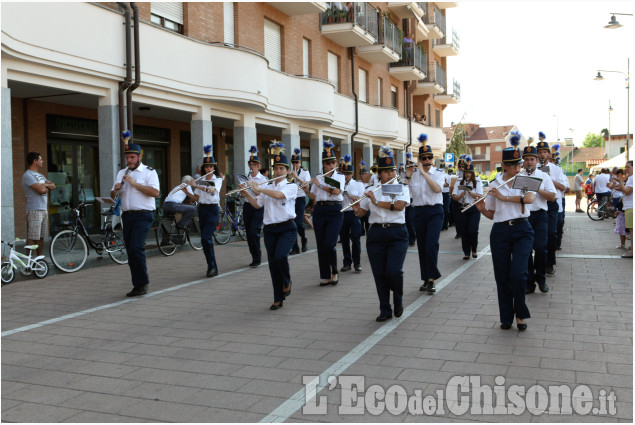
(444, 40)
(435, 74)
(435, 17)
(424, 6)
(481, 157)
(412, 55)
(389, 37)
(456, 89)
(362, 14)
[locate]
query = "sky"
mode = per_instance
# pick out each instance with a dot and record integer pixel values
(532, 64)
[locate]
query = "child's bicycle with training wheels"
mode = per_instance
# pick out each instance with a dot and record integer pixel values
(26, 264)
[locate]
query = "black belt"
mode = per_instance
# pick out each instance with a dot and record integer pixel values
(515, 221)
(538, 211)
(329, 203)
(137, 211)
(207, 205)
(385, 225)
(428, 206)
(289, 221)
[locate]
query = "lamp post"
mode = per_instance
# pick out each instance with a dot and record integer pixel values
(628, 99)
(613, 24)
(609, 142)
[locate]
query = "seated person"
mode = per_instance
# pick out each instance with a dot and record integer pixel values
(174, 202)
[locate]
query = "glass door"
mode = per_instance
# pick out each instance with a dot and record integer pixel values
(156, 157)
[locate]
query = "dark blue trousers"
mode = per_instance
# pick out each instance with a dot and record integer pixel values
(300, 206)
(135, 232)
(511, 247)
(455, 210)
(365, 223)
(278, 242)
(187, 212)
(468, 223)
(327, 221)
(387, 248)
(537, 264)
(412, 237)
(446, 210)
(253, 222)
(560, 225)
(552, 230)
(208, 218)
(428, 221)
(350, 234)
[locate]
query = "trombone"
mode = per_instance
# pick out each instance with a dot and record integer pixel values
(365, 196)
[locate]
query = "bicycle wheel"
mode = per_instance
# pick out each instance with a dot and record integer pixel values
(116, 247)
(68, 251)
(242, 232)
(594, 212)
(41, 269)
(165, 240)
(8, 274)
(194, 234)
(224, 230)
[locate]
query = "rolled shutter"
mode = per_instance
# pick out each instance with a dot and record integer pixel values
(362, 86)
(305, 57)
(273, 45)
(228, 22)
(169, 10)
(333, 70)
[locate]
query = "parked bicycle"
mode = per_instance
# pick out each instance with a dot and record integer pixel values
(26, 264)
(599, 210)
(168, 236)
(230, 224)
(69, 248)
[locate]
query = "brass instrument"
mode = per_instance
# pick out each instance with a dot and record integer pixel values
(365, 196)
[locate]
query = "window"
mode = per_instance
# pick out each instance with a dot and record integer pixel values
(477, 150)
(306, 71)
(273, 45)
(363, 75)
(393, 96)
(498, 148)
(486, 150)
(437, 114)
(429, 120)
(168, 14)
(334, 70)
(379, 85)
(228, 22)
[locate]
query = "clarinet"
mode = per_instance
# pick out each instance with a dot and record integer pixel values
(117, 204)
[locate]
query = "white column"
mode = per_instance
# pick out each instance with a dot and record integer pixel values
(291, 139)
(315, 151)
(245, 135)
(201, 135)
(346, 147)
(109, 145)
(367, 154)
(8, 209)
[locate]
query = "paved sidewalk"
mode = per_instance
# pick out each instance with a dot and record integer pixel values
(210, 350)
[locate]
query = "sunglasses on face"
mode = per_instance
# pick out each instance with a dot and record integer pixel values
(426, 158)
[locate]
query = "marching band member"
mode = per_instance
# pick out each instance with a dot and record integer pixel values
(469, 220)
(253, 216)
(412, 237)
(446, 196)
(364, 176)
(387, 240)
(351, 225)
(277, 199)
(208, 191)
(511, 238)
(552, 207)
(137, 189)
(455, 208)
(560, 196)
(301, 176)
(327, 218)
(539, 221)
(426, 186)
(174, 202)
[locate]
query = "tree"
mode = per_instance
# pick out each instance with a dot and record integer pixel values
(593, 141)
(457, 143)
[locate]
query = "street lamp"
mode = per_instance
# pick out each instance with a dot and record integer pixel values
(613, 23)
(599, 77)
(609, 142)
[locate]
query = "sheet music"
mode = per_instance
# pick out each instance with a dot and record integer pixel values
(527, 183)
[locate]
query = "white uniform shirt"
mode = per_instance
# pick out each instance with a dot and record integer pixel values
(557, 175)
(505, 210)
(305, 176)
(353, 189)
(601, 183)
(468, 199)
(627, 200)
(177, 195)
(206, 198)
(131, 198)
(383, 215)
(258, 179)
(373, 180)
(540, 203)
(448, 180)
(322, 195)
(278, 210)
(422, 194)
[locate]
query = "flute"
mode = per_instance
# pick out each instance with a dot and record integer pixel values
(251, 185)
(366, 196)
(320, 175)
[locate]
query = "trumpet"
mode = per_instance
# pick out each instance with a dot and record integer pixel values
(251, 185)
(320, 175)
(467, 207)
(365, 196)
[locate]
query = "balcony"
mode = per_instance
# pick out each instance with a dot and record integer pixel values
(295, 8)
(442, 48)
(447, 4)
(449, 98)
(407, 9)
(435, 22)
(412, 64)
(387, 50)
(434, 83)
(350, 28)
(422, 30)
(481, 157)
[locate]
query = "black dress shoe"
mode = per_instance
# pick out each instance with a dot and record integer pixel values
(336, 281)
(137, 291)
(521, 326)
(304, 248)
(275, 307)
(398, 311)
(294, 251)
(550, 271)
(431, 288)
(543, 288)
(412, 243)
(466, 257)
(345, 268)
(382, 318)
(287, 290)
(474, 255)
(254, 264)
(212, 272)
(530, 290)
(457, 237)
(358, 268)
(506, 326)
(424, 287)
(327, 283)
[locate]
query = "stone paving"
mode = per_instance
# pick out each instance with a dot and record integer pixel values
(210, 350)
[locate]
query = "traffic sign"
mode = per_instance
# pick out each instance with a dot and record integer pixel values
(449, 157)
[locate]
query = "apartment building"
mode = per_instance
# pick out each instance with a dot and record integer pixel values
(227, 74)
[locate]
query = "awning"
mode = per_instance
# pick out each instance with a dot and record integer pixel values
(616, 161)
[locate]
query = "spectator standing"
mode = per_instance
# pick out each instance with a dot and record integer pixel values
(588, 189)
(602, 190)
(36, 189)
(578, 185)
(627, 201)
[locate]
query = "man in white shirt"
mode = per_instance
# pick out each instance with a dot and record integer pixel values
(301, 176)
(253, 217)
(36, 189)
(351, 229)
(174, 202)
(544, 153)
(627, 203)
